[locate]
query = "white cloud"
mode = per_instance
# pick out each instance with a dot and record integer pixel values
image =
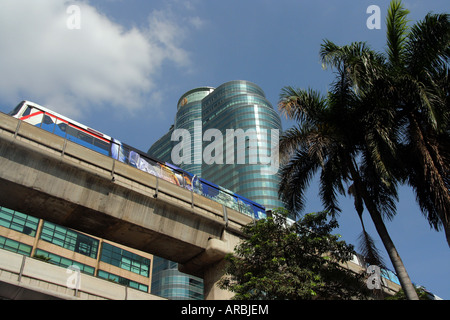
(101, 63)
(163, 30)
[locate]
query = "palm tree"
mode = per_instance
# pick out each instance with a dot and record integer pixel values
(412, 80)
(396, 106)
(418, 61)
(329, 139)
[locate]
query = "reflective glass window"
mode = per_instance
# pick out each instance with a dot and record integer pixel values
(124, 259)
(64, 262)
(70, 239)
(123, 281)
(18, 221)
(15, 246)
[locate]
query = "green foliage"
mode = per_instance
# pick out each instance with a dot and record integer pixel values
(397, 29)
(400, 295)
(42, 257)
(278, 261)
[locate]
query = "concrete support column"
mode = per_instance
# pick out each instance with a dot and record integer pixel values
(210, 265)
(211, 277)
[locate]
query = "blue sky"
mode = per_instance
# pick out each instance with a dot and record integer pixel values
(123, 71)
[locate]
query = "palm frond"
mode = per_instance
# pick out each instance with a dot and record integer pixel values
(369, 251)
(290, 140)
(331, 185)
(397, 32)
(295, 178)
(428, 44)
(357, 61)
(301, 105)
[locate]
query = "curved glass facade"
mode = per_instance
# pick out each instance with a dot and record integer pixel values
(167, 281)
(232, 106)
(170, 283)
(242, 105)
(235, 105)
(189, 110)
(162, 148)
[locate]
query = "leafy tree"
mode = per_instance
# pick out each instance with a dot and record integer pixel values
(279, 261)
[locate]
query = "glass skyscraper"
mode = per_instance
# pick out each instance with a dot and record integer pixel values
(189, 110)
(235, 105)
(242, 105)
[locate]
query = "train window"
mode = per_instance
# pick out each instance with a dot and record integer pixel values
(48, 119)
(16, 109)
(60, 128)
(102, 145)
(48, 123)
(27, 112)
(71, 132)
(79, 137)
(85, 137)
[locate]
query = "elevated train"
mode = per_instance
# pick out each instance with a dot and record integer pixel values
(71, 130)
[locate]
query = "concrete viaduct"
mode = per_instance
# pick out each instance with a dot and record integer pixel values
(51, 178)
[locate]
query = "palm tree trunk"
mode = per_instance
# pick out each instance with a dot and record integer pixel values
(394, 256)
(432, 176)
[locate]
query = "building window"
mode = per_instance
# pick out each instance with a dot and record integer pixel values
(14, 246)
(125, 260)
(64, 262)
(123, 281)
(70, 239)
(17, 221)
